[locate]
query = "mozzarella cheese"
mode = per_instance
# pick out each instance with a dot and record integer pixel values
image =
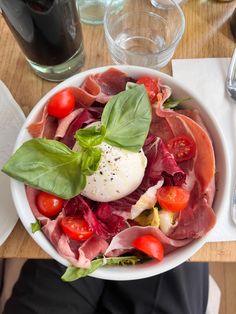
(119, 173)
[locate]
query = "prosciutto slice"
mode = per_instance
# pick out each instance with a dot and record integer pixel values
(111, 82)
(31, 194)
(45, 126)
(63, 124)
(198, 218)
(77, 253)
(96, 88)
(195, 220)
(123, 241)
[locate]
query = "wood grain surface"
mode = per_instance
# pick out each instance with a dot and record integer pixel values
(207, 34)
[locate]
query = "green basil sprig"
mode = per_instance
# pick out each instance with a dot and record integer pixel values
(127, 118)
(90, 160)
(125, 121)
(91, 136)
(48, 165)
(51, 166)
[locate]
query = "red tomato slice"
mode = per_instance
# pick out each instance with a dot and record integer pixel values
(76, 228)
(49, 205)
(61, 104)
(150, 245)
(182, 147)
(173, 198)
(150, 86)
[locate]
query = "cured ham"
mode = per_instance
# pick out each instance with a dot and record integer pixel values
(111, 82)
(79, 254)
(45, 127)
(198, 218)
(179, 124)
(31, 194)
(99, 87)
(63, 124)
(195, 221)
(123, 241)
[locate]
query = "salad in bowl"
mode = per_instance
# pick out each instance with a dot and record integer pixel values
(114, 173)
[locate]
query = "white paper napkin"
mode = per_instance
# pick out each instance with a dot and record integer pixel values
(206, 78)
(11, 120)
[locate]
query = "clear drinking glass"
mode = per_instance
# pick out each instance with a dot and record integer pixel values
(138, 33)
(92, 11)
(49, 34)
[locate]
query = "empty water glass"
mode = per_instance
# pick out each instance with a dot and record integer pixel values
(138, 33)
(92, 11)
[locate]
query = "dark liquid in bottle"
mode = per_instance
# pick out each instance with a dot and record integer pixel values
(233, 24)
(48, 31)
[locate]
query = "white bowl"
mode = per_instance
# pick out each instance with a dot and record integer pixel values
(173, 259)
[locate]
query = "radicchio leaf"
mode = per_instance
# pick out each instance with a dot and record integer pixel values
(103, 222)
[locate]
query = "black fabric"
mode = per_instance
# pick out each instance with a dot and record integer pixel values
(2, 267)
(39, 290)
(183, 290)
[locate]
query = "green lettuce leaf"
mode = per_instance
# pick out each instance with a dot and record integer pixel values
(73, 273)
(35, 226)
(149, 217)
(172, 103)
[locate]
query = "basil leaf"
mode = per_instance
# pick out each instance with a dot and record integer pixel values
(49, 166)
(127, 118)
(91, 136)
(35, 226)
(73, 273)
(172, 103)
(90, 160)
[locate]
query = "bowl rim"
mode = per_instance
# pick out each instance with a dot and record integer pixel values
(137, 271)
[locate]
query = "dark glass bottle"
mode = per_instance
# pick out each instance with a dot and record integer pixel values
(232, 24)
(48, 31)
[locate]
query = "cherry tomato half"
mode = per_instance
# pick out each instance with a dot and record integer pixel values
(49, 205)
(150, 86)
(61, 104)
(182, 147)
(76, 228)
(173, 198)
(150, 245)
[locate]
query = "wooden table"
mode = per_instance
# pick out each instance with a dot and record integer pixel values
(207, 34)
